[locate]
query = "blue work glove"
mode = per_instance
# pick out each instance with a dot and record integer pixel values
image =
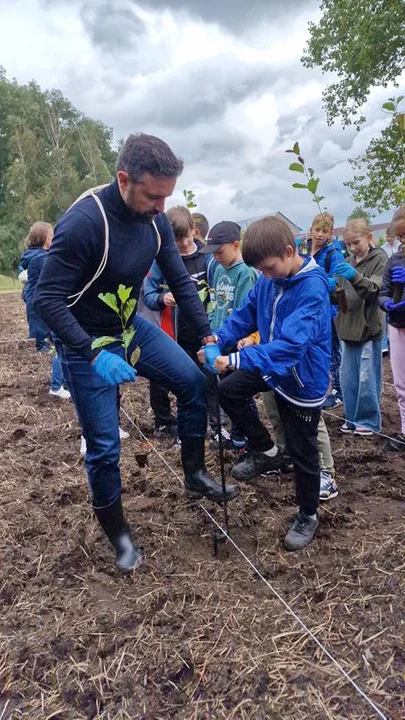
(398, 274)
(211, 353)
(113, 369)
(332, 284)
(390, 306)
(345, 270)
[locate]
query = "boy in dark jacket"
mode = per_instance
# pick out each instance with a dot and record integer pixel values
(157, 297)
(289, 306)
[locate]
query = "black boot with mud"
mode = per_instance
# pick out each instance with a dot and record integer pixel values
(198, 482)
(128, 556)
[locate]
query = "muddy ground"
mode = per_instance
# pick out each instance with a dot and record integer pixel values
(190, 636)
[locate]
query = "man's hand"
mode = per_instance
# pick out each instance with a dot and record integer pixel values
(222, 364)
(169, 300)
(113, 369)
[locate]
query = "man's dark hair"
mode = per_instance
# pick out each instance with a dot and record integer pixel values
(143, 153)
(268, 237)
(201, 224)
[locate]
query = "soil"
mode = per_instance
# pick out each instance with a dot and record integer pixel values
(190, 636)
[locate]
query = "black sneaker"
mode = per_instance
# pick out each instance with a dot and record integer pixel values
(226, 440)
(301, 531)
(256, 463)
(163, 432)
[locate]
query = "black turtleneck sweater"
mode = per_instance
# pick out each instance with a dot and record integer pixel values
(75, 255)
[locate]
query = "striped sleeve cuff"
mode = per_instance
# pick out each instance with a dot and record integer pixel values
(234, 361)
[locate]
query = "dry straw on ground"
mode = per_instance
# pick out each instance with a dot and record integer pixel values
(189, 637)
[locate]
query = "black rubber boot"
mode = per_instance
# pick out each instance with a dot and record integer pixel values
(128, 556)
(197, 482)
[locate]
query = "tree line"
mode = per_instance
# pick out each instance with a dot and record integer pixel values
(49, 154)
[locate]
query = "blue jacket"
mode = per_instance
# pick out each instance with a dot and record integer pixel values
(327, 258)
(32, 260)
(292, 316)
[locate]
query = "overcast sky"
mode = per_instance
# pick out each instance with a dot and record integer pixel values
(220, 80)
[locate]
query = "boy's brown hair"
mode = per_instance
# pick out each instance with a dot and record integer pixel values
(37, 235)
(201, 224)
(268, 237)
(181, 221)
(398, 215)
(323, 219)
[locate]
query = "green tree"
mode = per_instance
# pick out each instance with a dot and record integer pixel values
(359, 212)
(363, 42)
(379, 174)
(49, 154)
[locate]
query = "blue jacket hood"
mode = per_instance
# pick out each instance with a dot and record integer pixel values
(29, 254)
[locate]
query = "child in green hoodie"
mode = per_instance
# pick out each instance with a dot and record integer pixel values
(360, 328)
(231, 282)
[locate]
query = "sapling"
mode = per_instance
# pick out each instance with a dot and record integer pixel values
(312, 186)
(190, 197)
(123, 305)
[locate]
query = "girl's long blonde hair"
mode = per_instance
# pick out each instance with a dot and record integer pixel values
(359, 226)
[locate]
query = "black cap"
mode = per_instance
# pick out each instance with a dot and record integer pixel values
(220, 234)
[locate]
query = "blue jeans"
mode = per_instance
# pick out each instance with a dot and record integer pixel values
(56, 373)
(360, 378)
(162, 360)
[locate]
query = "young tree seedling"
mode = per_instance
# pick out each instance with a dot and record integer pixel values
(123, 305)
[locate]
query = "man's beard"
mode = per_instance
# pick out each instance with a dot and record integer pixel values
(146, 216)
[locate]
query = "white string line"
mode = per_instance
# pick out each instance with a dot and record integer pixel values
(387, 437)
(258, 573)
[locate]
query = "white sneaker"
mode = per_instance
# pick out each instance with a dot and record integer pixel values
(83, 447)
(62, 393)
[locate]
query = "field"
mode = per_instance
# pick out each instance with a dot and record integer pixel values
(190, 636)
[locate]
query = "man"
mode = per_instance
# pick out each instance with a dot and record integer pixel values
(104, 240)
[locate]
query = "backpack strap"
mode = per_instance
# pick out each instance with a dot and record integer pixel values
(92, 193)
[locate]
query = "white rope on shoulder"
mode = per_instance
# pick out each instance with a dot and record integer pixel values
(92, 193)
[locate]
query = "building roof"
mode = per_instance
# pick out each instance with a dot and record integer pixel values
(295, 228)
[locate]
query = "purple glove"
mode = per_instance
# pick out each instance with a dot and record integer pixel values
(398, 274)
(211, 353)
(345, 270)
(113, 369)
(390, 306)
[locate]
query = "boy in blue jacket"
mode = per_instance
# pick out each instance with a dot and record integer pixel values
(289, 306)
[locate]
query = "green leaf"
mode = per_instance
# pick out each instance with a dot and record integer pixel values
(313, 185)
(290, 151)
(124, 293)
(296, 167)
(202, 294)
(296, 148)
(300, 186)
(129, 308)
(135, 355)
(311, 172)
(211, 306)
(390, 106)
(127, 336)
(400, 98)
(103, 340)
(110, 300)
(185, 193)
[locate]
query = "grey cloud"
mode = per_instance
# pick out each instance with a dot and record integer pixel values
(109, 26)
(235, 15)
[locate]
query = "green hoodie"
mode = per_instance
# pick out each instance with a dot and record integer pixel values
(230, 287)
(363, 319)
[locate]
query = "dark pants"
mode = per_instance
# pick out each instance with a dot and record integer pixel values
(160, 400)
(336, 361)
(161, 359)
(300, 425)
